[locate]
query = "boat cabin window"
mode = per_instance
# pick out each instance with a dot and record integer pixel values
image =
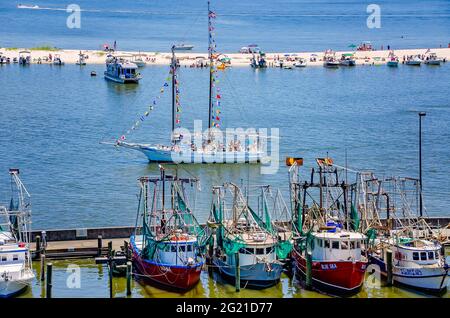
(327, 243)
(247, 251)
(189, 248)
(269, 250)
(352, 245)
(335, 245)
(173, 248)
(15, 257)
(4, 259)
(319, 242)
(415, 256)
(182, 248)
(430, 255)
(260, 251)
(436, 254)
(344, 245)
(358, 244)
(423, 256)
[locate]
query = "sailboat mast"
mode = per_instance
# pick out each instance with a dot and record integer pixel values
(174, 66)
(210, 56)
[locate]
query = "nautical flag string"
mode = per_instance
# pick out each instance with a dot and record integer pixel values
(217, 95)
(150, 108)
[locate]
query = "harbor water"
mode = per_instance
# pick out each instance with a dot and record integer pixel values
(54, 118)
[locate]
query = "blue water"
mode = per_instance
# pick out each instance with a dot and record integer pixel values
(277, 26)
(53, 118)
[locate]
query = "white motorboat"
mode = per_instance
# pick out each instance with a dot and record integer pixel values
(138, 60)
(81, 59)
(301, 62)
(413, 60)
(330, 60)
(16, 272)
(433, 59)
(24, 57)
(57, 60)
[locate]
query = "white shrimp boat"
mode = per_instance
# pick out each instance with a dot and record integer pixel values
(16, 272)
(417, 263)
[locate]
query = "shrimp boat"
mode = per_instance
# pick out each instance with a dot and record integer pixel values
(247, 239)
(213, 146)
(168, 251)
(16, 272)
(327, 238)
(120, 70)
(417, 261)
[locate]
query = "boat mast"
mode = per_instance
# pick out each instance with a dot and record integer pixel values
(174, 66)
(210, 50)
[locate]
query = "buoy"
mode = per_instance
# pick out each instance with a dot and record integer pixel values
(93, 73)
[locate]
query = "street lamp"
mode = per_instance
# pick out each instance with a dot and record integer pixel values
(421, 114)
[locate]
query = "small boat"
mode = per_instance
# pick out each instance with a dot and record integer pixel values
(347, 59)
(301, 62)
(168, 252)
(432, 59)
(93, 73)
(57, 60)
(185, 47)
(330, 60)
(138, 60)
(16, 272)
(246, 237)
(24, 6)
(414, 60)
(328, 237)
(392, 60)
(288, 65)
(122, 71)
(81, 59)
(24, 57)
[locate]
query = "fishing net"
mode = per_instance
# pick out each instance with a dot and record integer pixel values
(231, 247)
(355, 220)
(283, 248)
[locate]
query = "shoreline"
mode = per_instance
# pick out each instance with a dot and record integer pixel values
(376, 57)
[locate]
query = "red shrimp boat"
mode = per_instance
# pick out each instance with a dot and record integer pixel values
(168, 251)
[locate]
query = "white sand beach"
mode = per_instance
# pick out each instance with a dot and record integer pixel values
(237, 59)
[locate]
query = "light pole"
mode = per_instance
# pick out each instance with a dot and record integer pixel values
(421, 114)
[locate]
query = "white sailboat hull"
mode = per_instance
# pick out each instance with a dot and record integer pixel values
(156, 154)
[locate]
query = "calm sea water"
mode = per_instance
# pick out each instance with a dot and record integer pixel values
(281, 25)
(54, 118)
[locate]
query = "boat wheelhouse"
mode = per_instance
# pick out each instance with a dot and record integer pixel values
(120, 70)
(168, 249)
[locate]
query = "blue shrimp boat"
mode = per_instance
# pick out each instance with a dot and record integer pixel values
(119, 70)
(246, 241)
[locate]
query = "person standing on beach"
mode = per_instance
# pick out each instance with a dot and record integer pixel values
(115, 45)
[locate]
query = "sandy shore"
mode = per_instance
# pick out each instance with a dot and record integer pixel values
(237, 59)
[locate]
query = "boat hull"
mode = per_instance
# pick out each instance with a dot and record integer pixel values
(413, 63)
(256, 276)
(121, 80)
(434, 62)
(392, 63)
(171, 277)
(337, 277)
(13, 288)
(431, 280)
(154, 154)
(331, 64)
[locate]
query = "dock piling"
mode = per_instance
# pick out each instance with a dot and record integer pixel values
(99, 246)
(389, 267)
(238, 272)
(129, 278)
(308, 280)
(110, 267)
(42, 267)
(38, 246)
(49, 281)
